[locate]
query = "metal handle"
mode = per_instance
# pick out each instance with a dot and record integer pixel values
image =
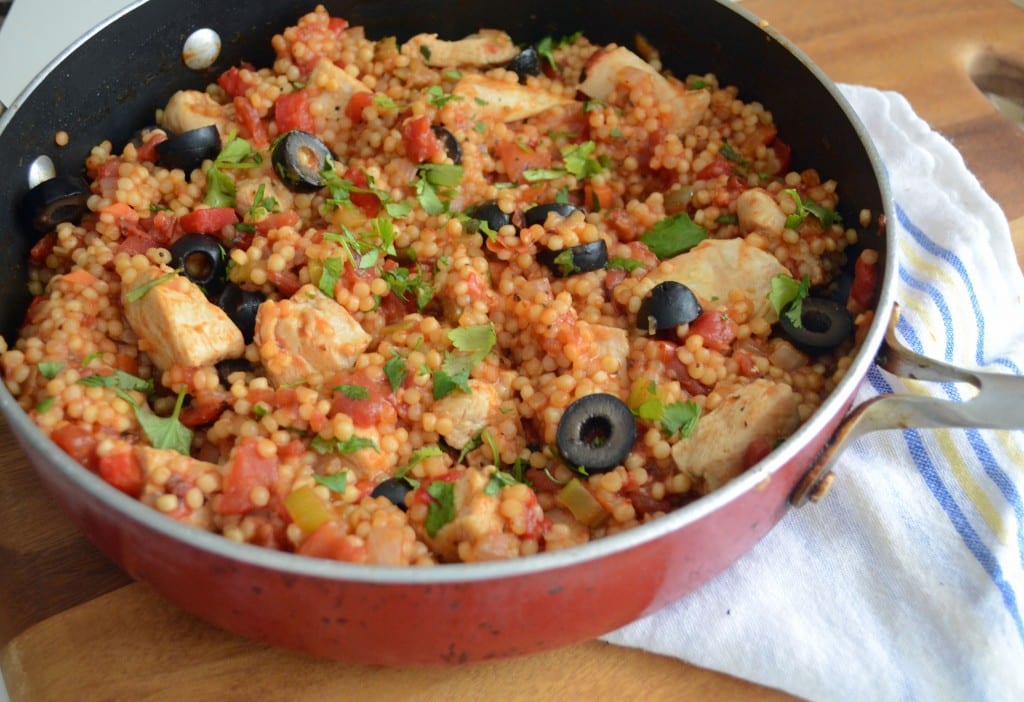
(996, 406)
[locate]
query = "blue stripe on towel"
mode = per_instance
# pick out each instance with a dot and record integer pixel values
(957, 265)
(959, 521)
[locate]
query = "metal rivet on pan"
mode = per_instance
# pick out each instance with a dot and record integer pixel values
(201, 49)
(40, 170)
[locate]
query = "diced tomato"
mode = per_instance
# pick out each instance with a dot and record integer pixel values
(286, 282)
(356, 104)
(375, 409)
(367, 202)
(77, 442)
(421, 144)
(865, 282)
(204, 408)
(331, 541)
(720, 166)
(337, 24)
(678, 370)
(108, 169)
(147, 151)
(141, 235)
(597, 197)
(276, 220)
(122, 470)
(291, 111)
(747, 367)
(251, 123)
(782, 152)
(756, 450)
(209, 220)
(395, 308)
(232, 83)
(716, 328)
(43, 248)
(247, 470)
(517, 158)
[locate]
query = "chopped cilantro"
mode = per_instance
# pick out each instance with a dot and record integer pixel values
(336, 482)
(804, 208)
(453, 74)
(45, 405)
(119, 380)
(332, 268)
(91, 357)
(402, 282)
(384, 102)
(50, 369)
(673, 235)
(396, 370)
(473, 343)
(787, 296)
(437, 97)
(593, 104)
(498, 480)
(532, 175)
(730, 154)
(351, 445)
(578, 161)
(442, 508)
(680, 418)
(220, 188)
(353, 392)
(480, 127)
(564, 262)
(434, 186)
(727, 218)
(163, 432)
(627, 264)
(138, 292)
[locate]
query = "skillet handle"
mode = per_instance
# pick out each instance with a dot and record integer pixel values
(996, 406)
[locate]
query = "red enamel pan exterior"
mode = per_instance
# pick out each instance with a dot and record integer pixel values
(109, 84)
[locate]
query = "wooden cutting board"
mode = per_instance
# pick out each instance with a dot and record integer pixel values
(73, 627)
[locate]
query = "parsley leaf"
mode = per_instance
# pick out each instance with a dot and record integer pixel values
(119, 380)
(402, 282)
(336, 482)
(50, 369)
(353, 392)
(236, 153)
(442, 508)
(578, 161)
(532, 175)
(434, 186)
(627, 264)
(565, 263)
(45, 404)
(164, 432)
(396, 370)
(332, 268)
(437, 97)
(804, 208)
(681, 418)
(351, 445)
(673, 235)
(787, 296)
(498, 480)
(418, 456)
(474, 343)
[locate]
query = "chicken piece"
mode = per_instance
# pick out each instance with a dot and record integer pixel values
(479, 528)
(493, 99)
(175, 323)
(307, 338)
(607, 351)
(488, 47)
(333, 87)
(714, 454)
(614, 66)
(191, 109)
(469, 412)
(756, 210)
(716, 266)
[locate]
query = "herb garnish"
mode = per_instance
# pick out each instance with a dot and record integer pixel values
(673, 235)
(442, 508)
(787, 296)
(351, 445)
(336, 482)
(826, 216)
(473, 344)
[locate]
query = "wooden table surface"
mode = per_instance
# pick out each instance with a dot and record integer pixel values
(72, 626)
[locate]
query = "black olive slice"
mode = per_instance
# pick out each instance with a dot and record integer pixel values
(298, 158)
(825, 325)
(452, 148)
(241, 306)
(576, 259)
(525, 63)
(395, 490)
(668, 305)
(490, 214)
(54, 201)
(201, 259)
(539, 213)
(188, 149)
(596, 433)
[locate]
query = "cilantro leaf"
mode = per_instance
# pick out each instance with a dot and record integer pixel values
(336, 482)
(804, 208)
(627, 264)
(119, 380)
(353, 392)
(681, 418)
(50, 369)
(45, 404)
(479, 338)
(578, 161)
(396, 370)
(164, 432)
(351, 445)
(434, 184)
(533, 175)
(565, 263)
(332, 268)
(442, 508)
(498, 480)
(787, 296)
(139, 291)
(474, 343)
(437, 97)
(673, 235)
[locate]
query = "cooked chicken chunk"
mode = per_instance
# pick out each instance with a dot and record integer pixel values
(334, 86)
(469, 412)
(715, 267)
(756, 210)
(191, 109)
(490, 98)
(307, 338)
(714, 454)
(175, 323)
(619, 66)
(488, 47)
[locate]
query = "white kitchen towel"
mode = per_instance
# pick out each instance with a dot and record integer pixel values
(907, 581)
